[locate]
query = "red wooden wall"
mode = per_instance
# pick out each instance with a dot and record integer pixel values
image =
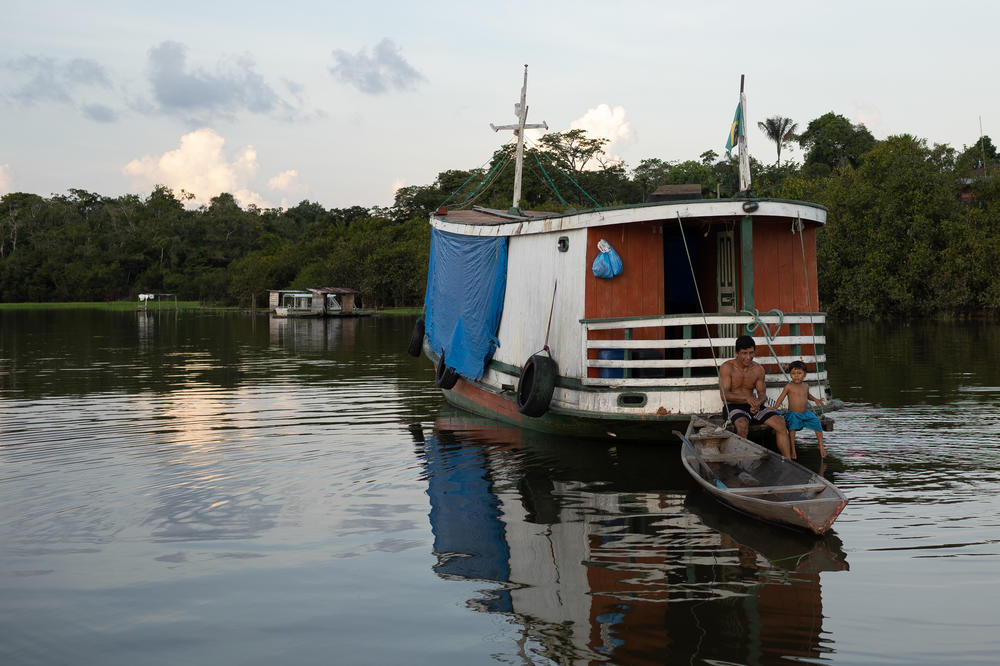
(638, 291)
(779, 281)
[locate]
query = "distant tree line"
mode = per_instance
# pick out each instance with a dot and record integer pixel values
(85, 247)
(912, 230)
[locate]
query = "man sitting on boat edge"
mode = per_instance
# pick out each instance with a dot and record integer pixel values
(741, 381)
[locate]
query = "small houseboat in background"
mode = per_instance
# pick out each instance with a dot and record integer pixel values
(521, 328)
(314, 302)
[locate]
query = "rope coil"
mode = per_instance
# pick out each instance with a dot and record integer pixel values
(768, 334)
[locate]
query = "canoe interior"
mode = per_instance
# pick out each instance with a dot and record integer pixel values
(741, 464)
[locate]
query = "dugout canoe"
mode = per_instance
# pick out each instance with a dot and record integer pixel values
(757, 481)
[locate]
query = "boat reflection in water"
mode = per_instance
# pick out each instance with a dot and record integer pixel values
(607, 553)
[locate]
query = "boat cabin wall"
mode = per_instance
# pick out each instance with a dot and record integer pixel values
(638, 291)
(779, 279)
(540, 277)
(658, 278)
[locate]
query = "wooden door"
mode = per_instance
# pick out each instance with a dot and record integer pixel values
(725, 284)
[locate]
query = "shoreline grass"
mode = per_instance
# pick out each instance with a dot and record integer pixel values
(124, 306)
(109, 305)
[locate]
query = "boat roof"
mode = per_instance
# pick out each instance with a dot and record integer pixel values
(309, 291)
(339, 291)
(481, 221)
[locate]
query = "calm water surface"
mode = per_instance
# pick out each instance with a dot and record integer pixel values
(227, 489)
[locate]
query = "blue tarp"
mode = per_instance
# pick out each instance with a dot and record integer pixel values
(466, 280)
(470, 538)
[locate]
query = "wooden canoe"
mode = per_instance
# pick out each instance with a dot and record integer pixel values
(757, 481)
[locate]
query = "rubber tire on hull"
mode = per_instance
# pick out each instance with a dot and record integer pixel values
(417, 339)
(445, 377)
(538, 381)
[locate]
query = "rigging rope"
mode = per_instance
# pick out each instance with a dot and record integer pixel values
(471, 176)
(486, 184)
(494, 173)
(546, 174)
(768, 334)
(596, 205)
(708, 331)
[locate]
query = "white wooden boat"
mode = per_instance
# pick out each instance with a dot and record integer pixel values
(757, 481)
(531, 336)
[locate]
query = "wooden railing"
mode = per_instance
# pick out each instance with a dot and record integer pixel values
(677, 350)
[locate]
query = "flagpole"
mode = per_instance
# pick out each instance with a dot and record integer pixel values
(738, 139)
(744, 154)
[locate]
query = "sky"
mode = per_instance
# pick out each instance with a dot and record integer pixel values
(342, 103)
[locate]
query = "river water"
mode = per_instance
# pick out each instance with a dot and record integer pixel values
(229, 489)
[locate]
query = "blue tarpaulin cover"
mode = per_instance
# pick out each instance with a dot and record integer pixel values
(466, 280)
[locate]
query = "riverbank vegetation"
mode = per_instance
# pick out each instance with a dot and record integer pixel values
(912, 230)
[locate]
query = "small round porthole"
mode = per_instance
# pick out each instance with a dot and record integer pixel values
(563, 243)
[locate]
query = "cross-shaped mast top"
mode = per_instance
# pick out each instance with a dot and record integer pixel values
(521, 113)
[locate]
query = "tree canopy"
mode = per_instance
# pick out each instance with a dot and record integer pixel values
(832, 141)
(911, 230)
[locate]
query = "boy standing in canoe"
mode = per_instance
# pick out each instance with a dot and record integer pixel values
(741, 381)
(799, 415)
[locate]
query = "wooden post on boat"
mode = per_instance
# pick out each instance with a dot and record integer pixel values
(744, 152)
(521, 113)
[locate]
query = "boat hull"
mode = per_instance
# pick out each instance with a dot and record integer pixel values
(502, 406)
(484, 399)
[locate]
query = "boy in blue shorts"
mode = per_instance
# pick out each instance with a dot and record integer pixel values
(799, 415)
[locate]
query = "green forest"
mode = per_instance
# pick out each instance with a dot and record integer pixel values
(912, 229)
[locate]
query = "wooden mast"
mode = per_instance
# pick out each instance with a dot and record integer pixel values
(521, 113)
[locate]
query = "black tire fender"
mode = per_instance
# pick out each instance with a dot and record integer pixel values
(538, 381)
(444, 377)
(416, 339)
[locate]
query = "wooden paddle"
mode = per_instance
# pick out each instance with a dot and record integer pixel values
(718, 482)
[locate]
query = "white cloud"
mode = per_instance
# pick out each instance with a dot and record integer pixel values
(199, 167)
(245, 198)
(604, 122)
(869, 115)
(285, 181)
(531, 136)
(5, 179)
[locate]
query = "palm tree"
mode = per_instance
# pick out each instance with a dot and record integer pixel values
(780, 130)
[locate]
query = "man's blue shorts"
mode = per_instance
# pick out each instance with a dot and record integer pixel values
(800, 420)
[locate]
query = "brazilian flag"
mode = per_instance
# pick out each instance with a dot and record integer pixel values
(736, 129)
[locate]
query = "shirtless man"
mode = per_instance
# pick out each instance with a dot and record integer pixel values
(741, 381)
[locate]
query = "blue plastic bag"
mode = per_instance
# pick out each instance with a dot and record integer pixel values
(607, 263)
